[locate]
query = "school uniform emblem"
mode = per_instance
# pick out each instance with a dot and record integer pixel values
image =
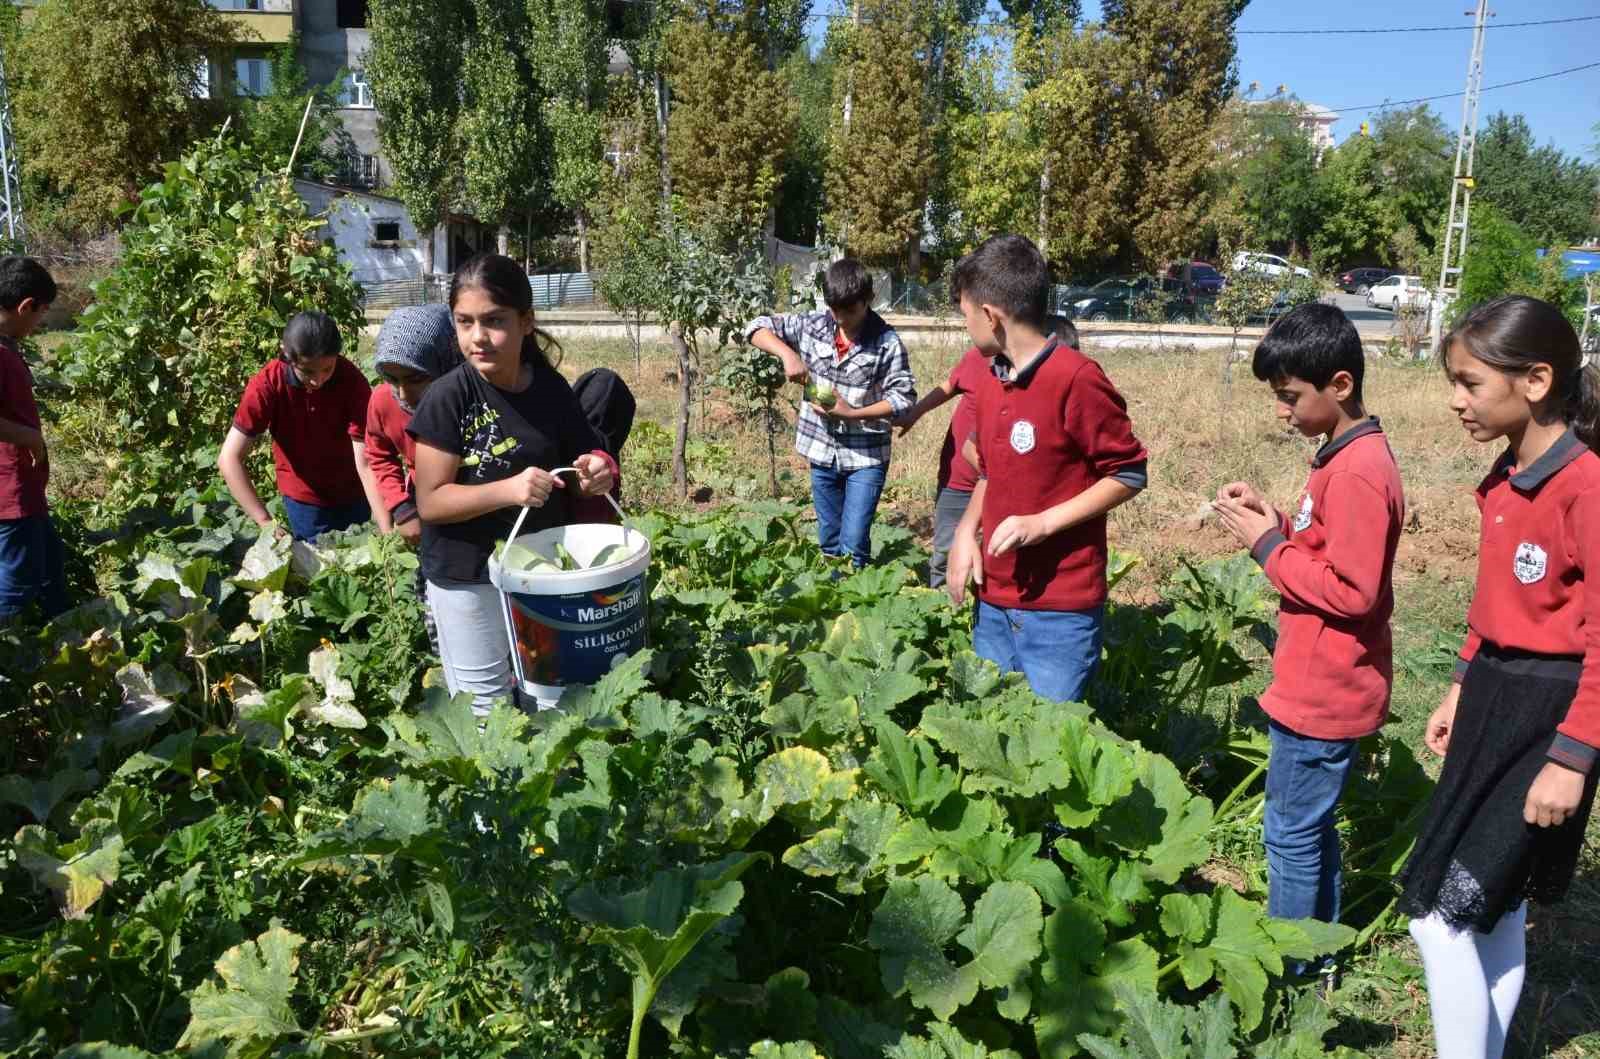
(1022, 437)
(1302, 518)
(1529, 563)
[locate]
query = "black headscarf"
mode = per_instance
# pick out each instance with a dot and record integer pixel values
(609, 406)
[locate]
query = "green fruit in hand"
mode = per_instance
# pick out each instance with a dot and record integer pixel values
(822, 393)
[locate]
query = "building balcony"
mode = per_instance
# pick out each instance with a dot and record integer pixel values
(267, 21)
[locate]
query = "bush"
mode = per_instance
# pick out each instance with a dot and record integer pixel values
(217, 256)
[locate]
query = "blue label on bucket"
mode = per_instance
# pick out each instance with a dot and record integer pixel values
(578, 637)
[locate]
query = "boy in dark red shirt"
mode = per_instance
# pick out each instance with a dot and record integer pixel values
(1057, 452)
(1332, 563)
(958, 475)
(31, 563)
(314, 404)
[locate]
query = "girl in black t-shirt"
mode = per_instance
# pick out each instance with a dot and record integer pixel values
(488, 435)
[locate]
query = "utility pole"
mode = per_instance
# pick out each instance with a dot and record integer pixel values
(1455, 228)
(10, 176)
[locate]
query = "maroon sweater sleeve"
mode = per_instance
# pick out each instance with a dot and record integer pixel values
(1347, 580)
(384, 429)
(1096, 418)
(1582, 722)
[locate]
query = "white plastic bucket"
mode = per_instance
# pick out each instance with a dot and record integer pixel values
(573, 626)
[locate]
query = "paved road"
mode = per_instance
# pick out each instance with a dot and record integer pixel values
(1369, 321)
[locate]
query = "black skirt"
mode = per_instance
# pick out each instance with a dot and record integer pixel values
(1476, 858)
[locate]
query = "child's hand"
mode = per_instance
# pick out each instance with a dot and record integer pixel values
(905, 423)
(1244, 493)
(794, 369)
(1554, 796)
(531, 488)
(1016, 531)
(410, 531)
(1441, 721)
(965, 562)
(1246, 523)
(841, 409)
(594, 475)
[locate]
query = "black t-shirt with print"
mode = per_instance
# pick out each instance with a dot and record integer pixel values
(498, 434)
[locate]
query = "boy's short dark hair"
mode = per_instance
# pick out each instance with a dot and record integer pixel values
(310, 335)
(1313, 342)
(22, 278)
(1062, 328)
(1008, 272)
(846, 283)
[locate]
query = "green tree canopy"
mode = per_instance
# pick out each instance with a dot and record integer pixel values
(1549, 194)
(102, 99)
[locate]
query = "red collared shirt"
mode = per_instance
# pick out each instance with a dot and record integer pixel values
(391, 453)
(1044, 435)
(311, 430)
(968, 374)
(1540, 535)
(1333, 563)
(22, 480)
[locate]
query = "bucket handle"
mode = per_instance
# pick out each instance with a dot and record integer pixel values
(516, 530)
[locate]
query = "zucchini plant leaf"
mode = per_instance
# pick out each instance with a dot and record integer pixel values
(943, 1042)
(251, 1006)
(1155, 1029)
(76, 872)
(40, 797)
(907, 769)
(851, 851)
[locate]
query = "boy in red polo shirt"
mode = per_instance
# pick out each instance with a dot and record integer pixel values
(958, 475)
(1331, 561)
(31, 563)
(314, 404)
(1052, 429)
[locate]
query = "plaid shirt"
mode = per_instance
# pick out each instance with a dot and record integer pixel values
(876, 368)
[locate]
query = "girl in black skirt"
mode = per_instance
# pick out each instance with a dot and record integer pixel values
(1520, 726)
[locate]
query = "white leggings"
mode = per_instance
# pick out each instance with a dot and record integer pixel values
(472, 641)
(1474, 982)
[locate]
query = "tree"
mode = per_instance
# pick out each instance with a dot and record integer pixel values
(270, 124)
(1548, 194)
(1276, 172)
(809, 82)
(570, 50)
(504, 146)
(1502, 258)
(216, 257)
(1353, 222)
(101, 100)
(414, 63)
(1416, 157)
(732, 122)
(879, 147)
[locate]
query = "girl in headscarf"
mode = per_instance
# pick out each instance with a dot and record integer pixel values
(609, 406)
(416, 345)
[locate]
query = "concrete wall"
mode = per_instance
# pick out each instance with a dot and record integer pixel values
(348, 219)
(326, 49)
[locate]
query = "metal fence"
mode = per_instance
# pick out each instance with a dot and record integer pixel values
(550, 291)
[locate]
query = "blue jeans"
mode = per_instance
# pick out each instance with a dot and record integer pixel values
(1056, 650)
(1305, 778)
(309, 521)
(31, 567)
(845, 503)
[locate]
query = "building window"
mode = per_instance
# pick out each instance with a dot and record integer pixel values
(252, 77)
(357, 91)
(385, 231)
(237, 5)
(352, 14)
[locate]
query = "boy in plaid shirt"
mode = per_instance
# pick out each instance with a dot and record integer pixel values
(852, 349)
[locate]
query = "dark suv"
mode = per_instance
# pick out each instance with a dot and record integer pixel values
(1359, 280)
(1204, 279)
(1114, 298)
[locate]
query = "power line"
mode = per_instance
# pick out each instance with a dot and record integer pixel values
(1454, 95)
(1412, 29)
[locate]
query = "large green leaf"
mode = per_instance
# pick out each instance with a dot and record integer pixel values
(853, 850)
(1160, 820)
(76, 872)
(917, 919)
(250, 1009)
(943, 1042)
(800, 783)
(40, 797)
(1078, 977)
(1155, 1029)
(907, 769)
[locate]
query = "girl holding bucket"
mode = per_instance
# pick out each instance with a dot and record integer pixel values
(487, 436)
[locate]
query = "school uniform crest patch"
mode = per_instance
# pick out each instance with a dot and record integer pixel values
(1530, 563)
(1302, 518)
(1022, 437)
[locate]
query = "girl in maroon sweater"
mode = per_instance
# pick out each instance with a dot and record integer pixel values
(1520, 726)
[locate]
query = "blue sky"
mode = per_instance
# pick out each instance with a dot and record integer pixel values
(1344, 71)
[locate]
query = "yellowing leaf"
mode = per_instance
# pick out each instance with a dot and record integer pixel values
(77, 873)
(251, 1007)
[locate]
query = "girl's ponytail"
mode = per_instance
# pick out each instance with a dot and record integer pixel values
(1583, 405)
(1515, 332)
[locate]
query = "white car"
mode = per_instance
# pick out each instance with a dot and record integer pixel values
(1267, 264)
(1398, 292)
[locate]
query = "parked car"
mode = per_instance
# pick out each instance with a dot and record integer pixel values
(1398, 292)
(1203, 276)
(1270, 264)
(1358, 280)
(1113, 299)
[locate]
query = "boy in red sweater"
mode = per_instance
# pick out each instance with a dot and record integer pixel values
(1054, 432)
(31, 561)
(1331, 562)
